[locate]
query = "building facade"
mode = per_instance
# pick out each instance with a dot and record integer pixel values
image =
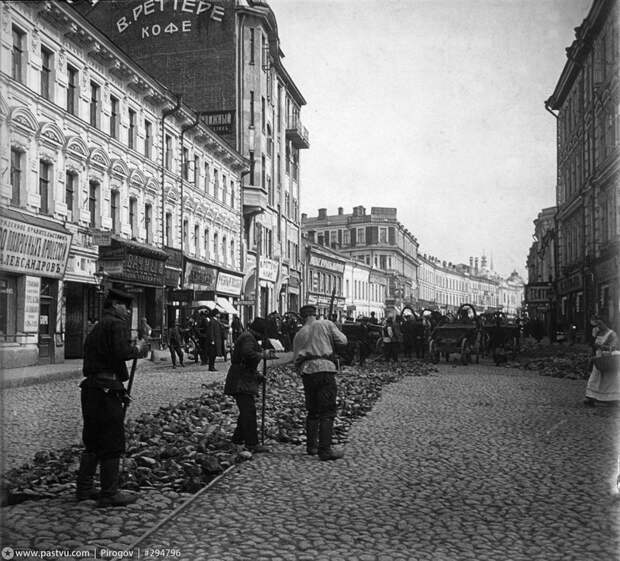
(111, 181)
(225, 58)
(377, 240)
(586, 100)
(324, 280)
(540, 291)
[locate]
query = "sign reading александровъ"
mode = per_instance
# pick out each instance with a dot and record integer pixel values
(33, 250)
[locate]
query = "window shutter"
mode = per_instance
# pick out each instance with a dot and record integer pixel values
(353, 236)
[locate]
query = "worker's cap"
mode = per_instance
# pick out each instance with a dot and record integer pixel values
(308, 310)
(258, 325)
(118, 296)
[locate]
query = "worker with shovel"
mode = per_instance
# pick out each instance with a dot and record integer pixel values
(242, 382)
(104, 399)
(314, 356)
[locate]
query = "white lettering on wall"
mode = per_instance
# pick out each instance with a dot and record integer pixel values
(151, 7)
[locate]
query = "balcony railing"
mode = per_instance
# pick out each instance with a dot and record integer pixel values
(297, 133)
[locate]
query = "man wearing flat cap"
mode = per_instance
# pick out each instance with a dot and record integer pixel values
(106, 349)
(313, 350)
(242, 383)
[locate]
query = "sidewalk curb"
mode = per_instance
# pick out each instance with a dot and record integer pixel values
(39, 379)
(46, 377)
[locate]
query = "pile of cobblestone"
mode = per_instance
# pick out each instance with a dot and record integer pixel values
(182, 447)
(557, 361)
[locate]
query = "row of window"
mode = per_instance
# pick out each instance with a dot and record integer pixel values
(363, 290)
(325, 282)
(212, 248)
(220, 190)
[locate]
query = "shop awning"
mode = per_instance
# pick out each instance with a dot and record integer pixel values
(227, 307)
(210, 304)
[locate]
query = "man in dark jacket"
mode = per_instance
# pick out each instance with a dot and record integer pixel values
(204, 336)
(215, 342)
(242, 383)
(175, 344)
(106, 349)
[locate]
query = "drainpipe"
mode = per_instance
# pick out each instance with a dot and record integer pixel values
(556, 238)
(166, 113)
(184, 129)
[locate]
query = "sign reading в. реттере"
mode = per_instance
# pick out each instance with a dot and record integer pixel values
(139, 15)
(33, 250)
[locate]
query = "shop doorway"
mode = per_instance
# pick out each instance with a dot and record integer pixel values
(47, 321)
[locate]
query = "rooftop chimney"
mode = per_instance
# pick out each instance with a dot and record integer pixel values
(476, 264)
(304, 217)
(340, 211)
(322, 213)
(471, 262)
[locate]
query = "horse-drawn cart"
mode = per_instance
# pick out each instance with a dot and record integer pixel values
(503, 338)
(460, 336)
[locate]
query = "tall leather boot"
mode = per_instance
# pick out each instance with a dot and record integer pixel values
(86, 477)
(110, 494)
(312, 436)
(326, 451)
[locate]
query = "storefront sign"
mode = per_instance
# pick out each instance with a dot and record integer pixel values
(538, 292)
(268, 269)
(323, 263)
(199, 276)
(229, 284)
(33, 250)
(145, 269)
(131, 262)
(31, 304)
(221, 122)
(180, 295)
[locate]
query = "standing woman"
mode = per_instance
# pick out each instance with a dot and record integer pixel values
(603, 386)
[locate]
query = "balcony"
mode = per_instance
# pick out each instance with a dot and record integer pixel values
(254, 200)
(297, 133)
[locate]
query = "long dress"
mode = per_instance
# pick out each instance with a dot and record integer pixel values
(603, 386)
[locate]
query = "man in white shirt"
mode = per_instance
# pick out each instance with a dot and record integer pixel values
(313, 350)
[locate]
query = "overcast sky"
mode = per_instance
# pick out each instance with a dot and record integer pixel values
(435, 107)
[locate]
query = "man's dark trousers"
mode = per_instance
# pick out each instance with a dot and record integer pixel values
(246, 431)
(320, 391)
(104, 415)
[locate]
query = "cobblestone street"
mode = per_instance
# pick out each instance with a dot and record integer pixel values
(53, 413)
(474, 462)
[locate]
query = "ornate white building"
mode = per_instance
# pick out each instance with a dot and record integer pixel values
(98, 183)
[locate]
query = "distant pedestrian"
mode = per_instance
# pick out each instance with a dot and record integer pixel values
(243, 380)
(215, 339)
(204, 337)
(175, 344)
(103, 396)
(603, 385)
(313, 349)
(391, 340)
